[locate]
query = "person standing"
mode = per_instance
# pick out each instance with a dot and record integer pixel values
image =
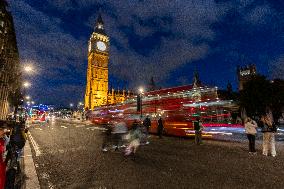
(160, 127)
(250, 130)
(198, 127)
(268, 130)
(2, 162)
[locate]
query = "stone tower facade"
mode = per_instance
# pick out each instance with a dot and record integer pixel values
(9, 62)
(245, 74)
(97, 91)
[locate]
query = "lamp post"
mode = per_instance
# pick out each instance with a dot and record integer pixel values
(141, 90)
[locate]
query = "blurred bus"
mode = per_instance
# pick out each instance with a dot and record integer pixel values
(178, 107)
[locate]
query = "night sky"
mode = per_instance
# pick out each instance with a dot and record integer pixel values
(166, 39)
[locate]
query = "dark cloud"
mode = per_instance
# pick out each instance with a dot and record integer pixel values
(148, 38)
(276, 68)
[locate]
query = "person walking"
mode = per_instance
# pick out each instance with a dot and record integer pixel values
(119, 130)
(268, 130)
(160, 127)
(147, 125)
(134, 139)
(250, 130)
(106, 137)
(198, 127)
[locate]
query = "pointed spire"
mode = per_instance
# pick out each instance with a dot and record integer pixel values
(99, 19)
(99, 28)
(229, 87)
(152, 84)
(196, 80)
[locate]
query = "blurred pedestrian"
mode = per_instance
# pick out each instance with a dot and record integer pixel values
(250, 129)
(160, 127)
(118, 131)
(268, 130)
(134, 137)
(107, 136)
(147, 125)
(198, 127)
(18, 136)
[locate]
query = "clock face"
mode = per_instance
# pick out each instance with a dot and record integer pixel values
(101, 46)
(90, 46)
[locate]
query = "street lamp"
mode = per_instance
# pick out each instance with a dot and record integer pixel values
(139, 101)
(28, 68)
(28, 97)
(26, 84)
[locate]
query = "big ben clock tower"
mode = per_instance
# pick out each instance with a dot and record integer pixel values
(97, 72)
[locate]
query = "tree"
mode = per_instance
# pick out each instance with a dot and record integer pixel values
(277, 100)
(152, 85)
(259, 95)
(256, 96)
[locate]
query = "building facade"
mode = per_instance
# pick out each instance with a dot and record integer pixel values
(245, 74)
(9, 60)
(97, 91)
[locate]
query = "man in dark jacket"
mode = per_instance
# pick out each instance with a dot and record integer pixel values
(160, 127)
(198, 131)
(147, 125)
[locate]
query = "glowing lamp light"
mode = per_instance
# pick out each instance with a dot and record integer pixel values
(141, 90)
(28, 68)
(28, 97)
(26, 84)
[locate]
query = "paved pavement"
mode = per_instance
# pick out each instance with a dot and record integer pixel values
(31, 179)
(68, 155)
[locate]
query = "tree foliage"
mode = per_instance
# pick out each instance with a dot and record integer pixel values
(260, 94)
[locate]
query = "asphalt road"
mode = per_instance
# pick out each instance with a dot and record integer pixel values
(68, 155)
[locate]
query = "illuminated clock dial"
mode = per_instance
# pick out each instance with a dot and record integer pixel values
(101, 46)
(90, 46)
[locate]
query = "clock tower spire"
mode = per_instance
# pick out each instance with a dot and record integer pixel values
(97, 72)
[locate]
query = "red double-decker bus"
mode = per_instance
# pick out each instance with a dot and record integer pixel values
(178, 107)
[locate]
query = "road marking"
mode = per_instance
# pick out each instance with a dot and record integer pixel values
(63, 127)
(95, 128)
(39, 129)
(35, 145)
(78, 126)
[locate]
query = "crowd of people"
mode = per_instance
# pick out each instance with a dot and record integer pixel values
(268, 128)
(12, 142)
(118, 136)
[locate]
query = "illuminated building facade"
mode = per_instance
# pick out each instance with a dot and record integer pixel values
(9, 60)
(245, 74)
(97, 91)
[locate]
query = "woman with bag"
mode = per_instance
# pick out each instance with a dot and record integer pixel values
(268, 131)
(250, 129)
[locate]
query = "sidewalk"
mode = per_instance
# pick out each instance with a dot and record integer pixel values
(31, 181)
